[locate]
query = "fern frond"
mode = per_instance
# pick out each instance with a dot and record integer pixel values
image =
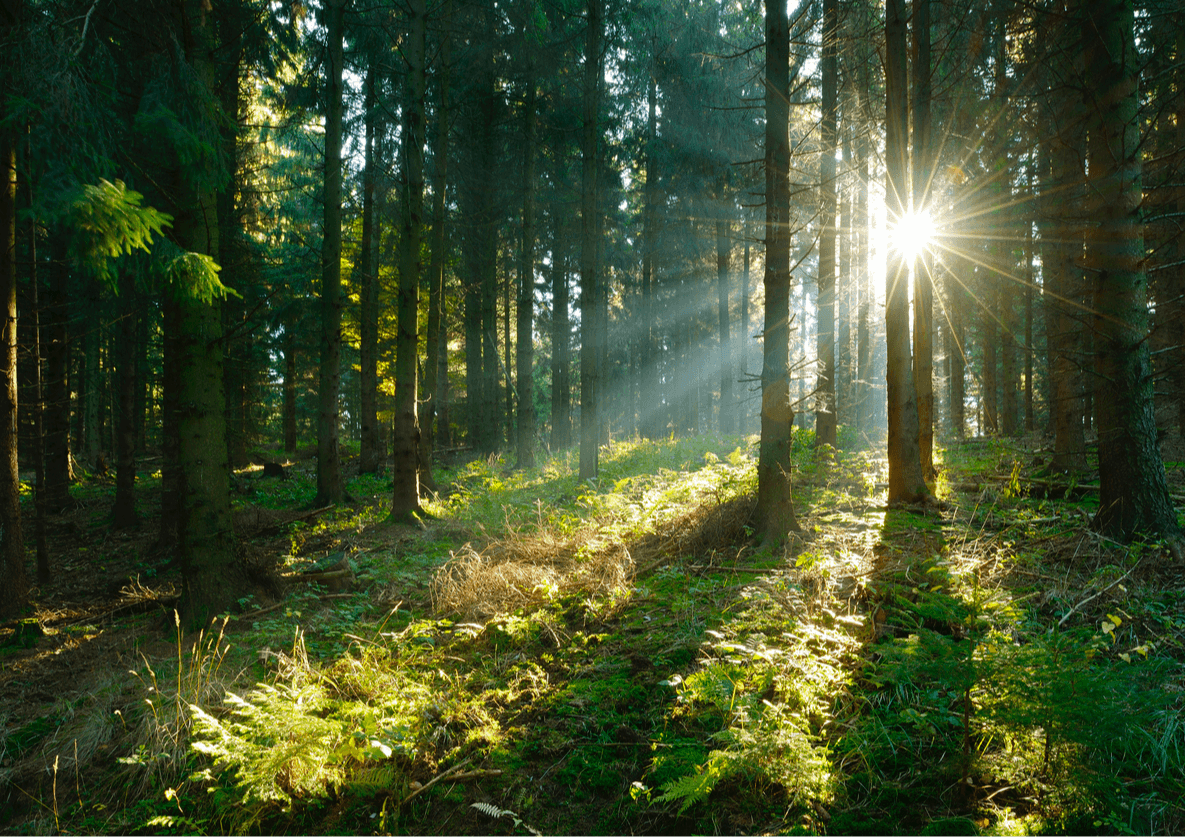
(492, 811)
(695, 788)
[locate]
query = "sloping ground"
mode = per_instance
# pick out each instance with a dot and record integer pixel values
(548, 656)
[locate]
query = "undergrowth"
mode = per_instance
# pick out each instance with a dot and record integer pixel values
(620, 655)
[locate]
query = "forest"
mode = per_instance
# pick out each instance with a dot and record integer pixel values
(592, 416)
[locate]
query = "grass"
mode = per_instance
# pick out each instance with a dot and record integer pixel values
(619, 656)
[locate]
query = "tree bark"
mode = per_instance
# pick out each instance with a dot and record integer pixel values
(406, 438)
(289, 405)
(590, 347)
(728, 422)
(124, 512)
(1133, 491)
(862, 213)
(372, 450)
(14, 580)
(775, 509)
(213, 577)
(649, 407)
(524, 328)
(1063, 285)
(825, 404)
(561, 340)
(906, 480)
(330, 488)
(923, 288)
(437, 346)
(58, 472)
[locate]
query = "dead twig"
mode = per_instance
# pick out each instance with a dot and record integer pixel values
(453, 774)
(1078, 606)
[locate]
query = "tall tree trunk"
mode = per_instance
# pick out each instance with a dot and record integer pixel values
(508, 360)
(923, 287)
(170, 471)
(14, 580)
(213, 577)
(1178, 308)
(57, 390)
(330, 488)
(525, 358)
(406, 437)
(124, 512)
(825, 404)
(437, 346)
(590, 349)
(1063, 286)
(561, 340)
(956, 360)
(1030, 280)
(89, 377)
(372, 450)
(649, 407)
(1133, 491)
(289, 407)
(728, 421)
(44, 574)
(863, 217)
(906, 480)
(742, 407)
(775, 509)
(481, 250)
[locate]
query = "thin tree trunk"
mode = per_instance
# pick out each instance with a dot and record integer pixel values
(289, 407)
(170, 472)
(372, 451)
(508, 359)
(923, 288)
(825, 403)
(590, 349)
(437, 348)
(863, 216)
(743, 406)
(58, 472)
(14, 581)
(649, 407)
(561, 342)
(728, 422)
(958, 362)
(330, 488)
(124, 512)
(1030, 280)
(525, 357)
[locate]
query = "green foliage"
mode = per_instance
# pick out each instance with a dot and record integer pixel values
(193, 275)
(108, 222)
(759, 703)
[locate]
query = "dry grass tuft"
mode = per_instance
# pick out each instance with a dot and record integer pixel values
(519, 572)
(705, 532)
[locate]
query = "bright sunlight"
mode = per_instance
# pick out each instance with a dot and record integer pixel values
(913, 234)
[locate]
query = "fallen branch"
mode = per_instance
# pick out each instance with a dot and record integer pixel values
(453, 774)
(1078, 606)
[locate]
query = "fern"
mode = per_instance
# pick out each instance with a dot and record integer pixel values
(494, 812)
(696, 787)
(279, 749)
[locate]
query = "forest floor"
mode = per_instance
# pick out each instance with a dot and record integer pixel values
(546, 655)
